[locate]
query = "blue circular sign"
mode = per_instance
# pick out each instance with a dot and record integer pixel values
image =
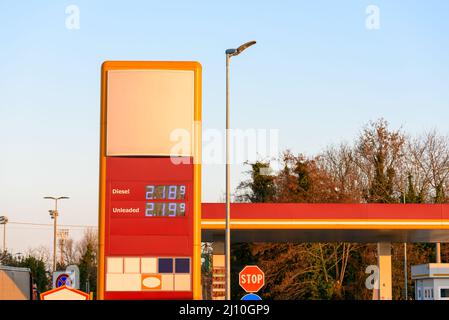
(251, 296)
(63, 280)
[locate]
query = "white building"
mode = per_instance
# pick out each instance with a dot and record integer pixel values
(431, 281)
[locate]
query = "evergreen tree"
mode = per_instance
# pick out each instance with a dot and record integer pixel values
(260, 188)
(37, 266)
(301, 170)
(439, 194)
(88, 269)
(38, 272)
(411, 196)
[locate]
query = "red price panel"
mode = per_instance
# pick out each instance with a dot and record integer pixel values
(140, 199)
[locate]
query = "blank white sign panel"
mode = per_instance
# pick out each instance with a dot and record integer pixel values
(147, 111)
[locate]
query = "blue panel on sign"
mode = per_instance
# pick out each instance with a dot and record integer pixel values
(165, 265)
(251, 296)
(182, 265)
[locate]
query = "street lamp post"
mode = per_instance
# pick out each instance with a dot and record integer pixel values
(405, 260)
(54, 215)
(229, 53)
(4, 221)
(62, 235)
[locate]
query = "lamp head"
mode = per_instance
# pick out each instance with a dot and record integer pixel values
(56, 198)
(240, 49)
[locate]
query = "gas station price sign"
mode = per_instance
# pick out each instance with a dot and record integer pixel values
(150, 205)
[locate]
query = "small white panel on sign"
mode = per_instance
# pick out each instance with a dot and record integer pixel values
(114, 265)
(132, 265)
(149, 265)
(182, 282)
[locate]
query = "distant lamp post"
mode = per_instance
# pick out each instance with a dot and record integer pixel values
(54, 215)
(62, 235)
(4, 221)
(229, 53)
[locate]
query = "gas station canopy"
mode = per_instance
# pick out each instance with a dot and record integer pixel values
(301, 222)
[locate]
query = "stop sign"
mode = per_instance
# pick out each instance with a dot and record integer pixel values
(251, 278)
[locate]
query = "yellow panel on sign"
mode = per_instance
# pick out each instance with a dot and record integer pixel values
(150, 112)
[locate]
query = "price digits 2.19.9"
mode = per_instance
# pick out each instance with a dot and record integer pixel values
(165, 209)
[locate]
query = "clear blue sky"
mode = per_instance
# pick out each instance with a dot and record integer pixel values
(317, 74)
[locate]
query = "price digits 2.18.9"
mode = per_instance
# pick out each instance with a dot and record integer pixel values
(165, 208)
(166, 192)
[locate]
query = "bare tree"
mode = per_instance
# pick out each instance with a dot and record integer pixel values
(90, 239)
(41, 253)
(69, 252)
(379, 152)
(340, 163)
(436, 156)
